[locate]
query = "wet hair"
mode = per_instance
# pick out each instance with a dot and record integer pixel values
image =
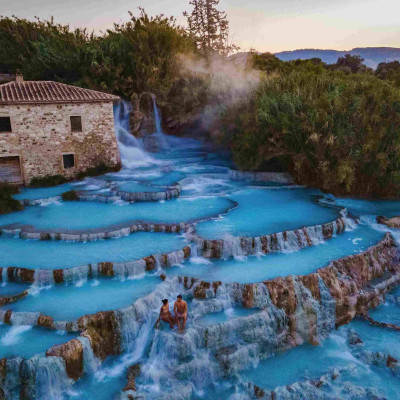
(179, 296)
(165, 301)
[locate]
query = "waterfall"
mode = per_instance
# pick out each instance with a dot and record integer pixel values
(90, 362)
(162, 140)
(232, 247)
(14, 334)
(130, 148)
(51, 378)
(157, 118)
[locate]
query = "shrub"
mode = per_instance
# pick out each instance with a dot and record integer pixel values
(339, 132)
(47, 181)
(98, 170)
(70, 196)
(7, 203)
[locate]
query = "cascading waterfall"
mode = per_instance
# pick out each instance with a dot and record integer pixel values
(90, 362)
(157, 118)
(51, 379)
(231, 325)
(132, 153)
(163, 142)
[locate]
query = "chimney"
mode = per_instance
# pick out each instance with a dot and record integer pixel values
(19, 77)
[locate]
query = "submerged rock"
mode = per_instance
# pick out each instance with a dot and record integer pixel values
(133, 373)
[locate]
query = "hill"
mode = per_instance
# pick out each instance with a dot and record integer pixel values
(372, 55)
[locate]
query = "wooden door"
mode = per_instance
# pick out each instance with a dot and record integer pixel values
(10, 169)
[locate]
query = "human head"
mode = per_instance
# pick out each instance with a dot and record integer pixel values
(165, 301)
(179, 297)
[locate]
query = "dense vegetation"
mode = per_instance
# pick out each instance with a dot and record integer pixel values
(136, 56)
(48, 181)
(333, 126)
(7, 203)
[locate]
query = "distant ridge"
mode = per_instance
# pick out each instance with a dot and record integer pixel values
(372, 55)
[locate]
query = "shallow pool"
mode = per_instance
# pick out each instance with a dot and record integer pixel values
(300, 363)
(11, 288)
(263, 211)
(378, 339)
(26, 341)
(18, 252)
(387, 312)
(81, 215)
(68, 302)
(302, 262)
(42, 193)
(388, 208)
(136, 187)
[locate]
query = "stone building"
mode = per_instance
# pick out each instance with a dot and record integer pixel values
(49, 128)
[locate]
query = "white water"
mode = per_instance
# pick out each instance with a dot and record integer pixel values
(163, 142)
(132, 153)
(14, 335)
(173, 362)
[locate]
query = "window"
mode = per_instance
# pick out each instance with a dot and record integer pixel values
(76, 124)
(68, 160)
(5, 124)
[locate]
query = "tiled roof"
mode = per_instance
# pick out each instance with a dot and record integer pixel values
(31, 92)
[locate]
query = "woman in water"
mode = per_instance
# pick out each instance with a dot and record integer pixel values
(165, 315)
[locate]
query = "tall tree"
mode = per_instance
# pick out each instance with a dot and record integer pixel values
(209, 27)
(354, 63)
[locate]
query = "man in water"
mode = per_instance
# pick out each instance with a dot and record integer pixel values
(180, 310)
(165, 315)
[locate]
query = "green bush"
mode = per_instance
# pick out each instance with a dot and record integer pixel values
(7, 203)
(135, 56)
(98, 170)
(337, 131)
(47, 181)
(70, 196)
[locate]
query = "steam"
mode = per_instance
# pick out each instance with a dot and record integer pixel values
(231, 82)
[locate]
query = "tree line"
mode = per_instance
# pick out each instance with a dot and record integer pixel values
(336, 127)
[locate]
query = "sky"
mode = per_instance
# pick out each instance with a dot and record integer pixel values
(265, 25)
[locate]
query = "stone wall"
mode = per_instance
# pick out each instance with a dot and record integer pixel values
(42, 133)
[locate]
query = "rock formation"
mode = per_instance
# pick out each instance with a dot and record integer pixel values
(393, 222)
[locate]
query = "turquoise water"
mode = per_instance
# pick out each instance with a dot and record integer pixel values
(76, 215)
(29, 193)
(168, 179)
(42, 193)
(136, 187)
(387, 208)
(378, 339)
(11, 288)
(26, 341)
(270, 266)
(268, 211)
(172, 362)
(299, 364)
(387, 312)
(69, 302)
(95, 388)
(60, 254)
